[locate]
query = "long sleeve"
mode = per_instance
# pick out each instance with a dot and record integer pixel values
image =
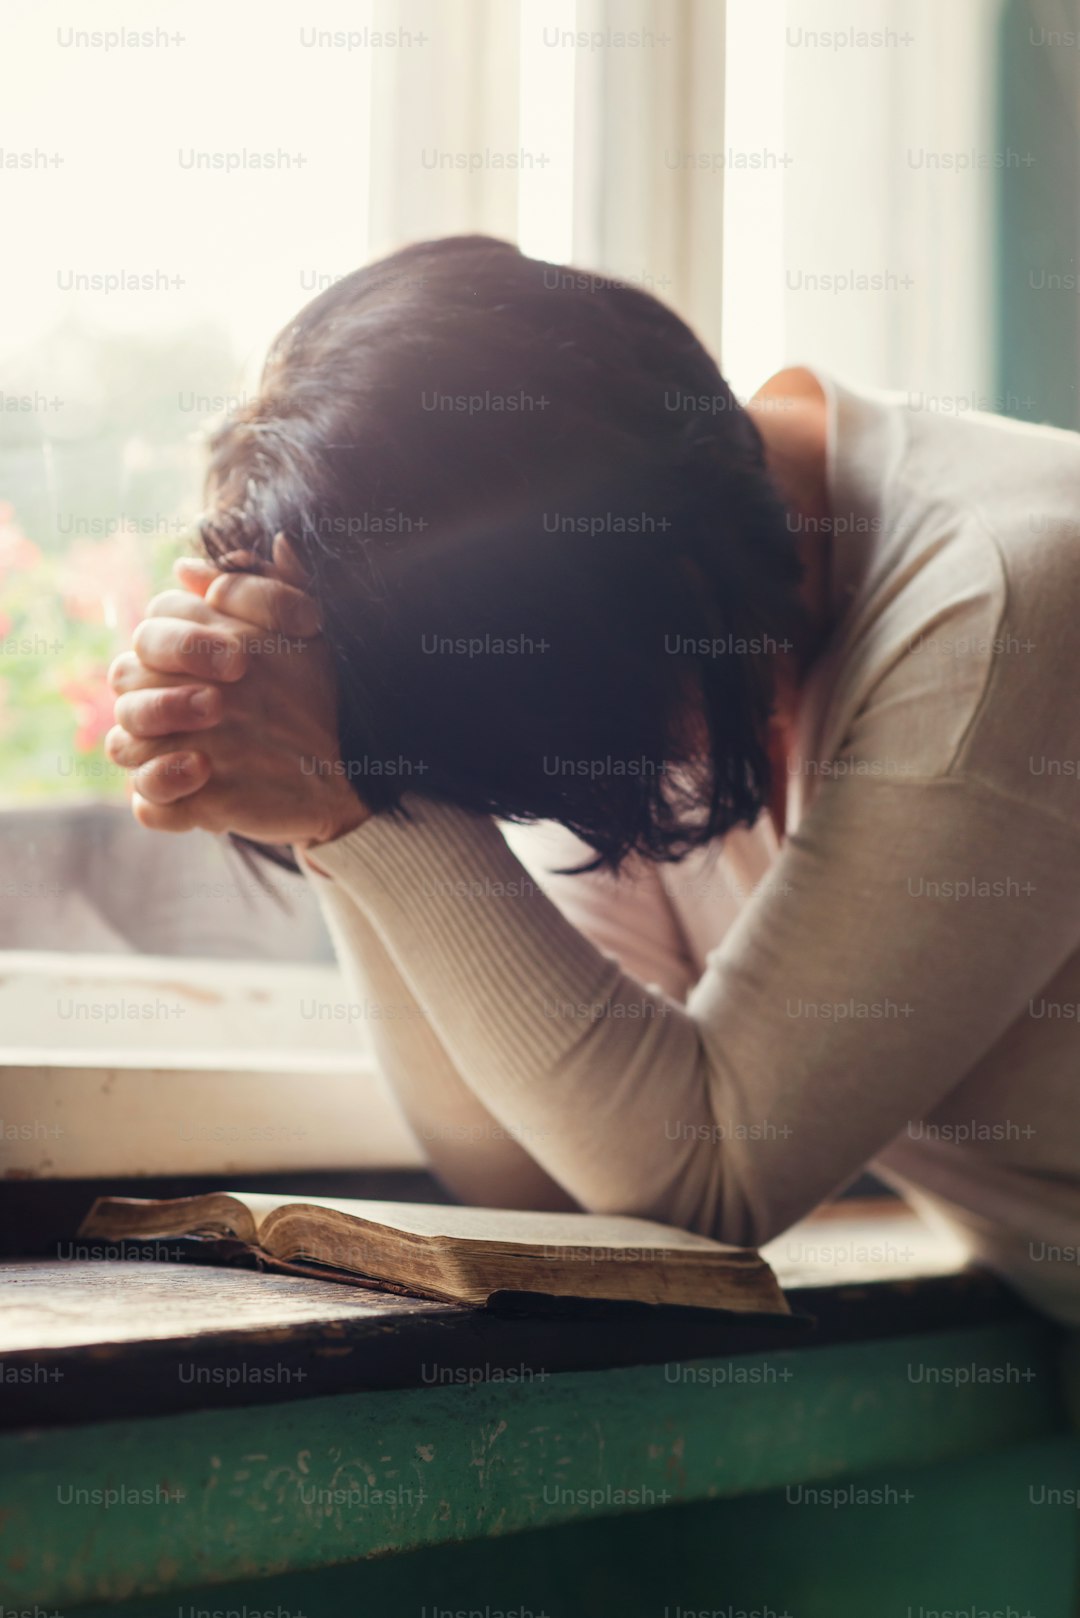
(845, 1002)
(478, 1158)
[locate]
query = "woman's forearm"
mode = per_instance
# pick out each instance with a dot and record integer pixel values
(476, 1157)
(553, 1038)
(831, 1016)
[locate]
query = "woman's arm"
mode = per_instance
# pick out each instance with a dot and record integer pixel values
(848, 999)
(845, 1002)
(230, 616)
(474, 1155)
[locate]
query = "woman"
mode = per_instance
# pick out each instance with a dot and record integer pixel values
(794, 683)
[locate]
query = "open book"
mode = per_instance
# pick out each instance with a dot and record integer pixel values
(458, 1254)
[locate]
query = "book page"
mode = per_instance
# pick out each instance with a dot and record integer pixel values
(510, 1227)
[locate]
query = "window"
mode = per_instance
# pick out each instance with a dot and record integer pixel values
(170, 200)
(174, 201)
(152, 272)
(861, 192)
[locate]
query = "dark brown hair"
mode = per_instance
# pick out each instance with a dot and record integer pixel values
(551, 565)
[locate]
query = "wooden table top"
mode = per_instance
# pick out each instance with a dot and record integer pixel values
(86, 1339)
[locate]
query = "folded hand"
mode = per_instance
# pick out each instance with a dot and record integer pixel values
(226, 710)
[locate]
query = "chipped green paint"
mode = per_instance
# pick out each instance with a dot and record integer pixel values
(112, 1511)
(968, 1541)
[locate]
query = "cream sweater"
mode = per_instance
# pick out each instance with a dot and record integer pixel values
(724, 1043)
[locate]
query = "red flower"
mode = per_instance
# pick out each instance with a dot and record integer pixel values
(105, 581)
(93, 703)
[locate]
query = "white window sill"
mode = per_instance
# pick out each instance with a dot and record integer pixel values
(155, 1065)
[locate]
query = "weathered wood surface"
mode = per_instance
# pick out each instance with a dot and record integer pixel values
(60, 1304)
(96, 1336)
(110, 1511)
(178, 1430)
(962, 1538)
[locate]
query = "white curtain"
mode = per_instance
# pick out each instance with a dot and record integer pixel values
(590, 129)
(869, 249)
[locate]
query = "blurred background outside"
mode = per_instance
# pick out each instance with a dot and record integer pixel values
(882, 188)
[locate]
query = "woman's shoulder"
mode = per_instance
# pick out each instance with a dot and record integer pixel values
(793, 382)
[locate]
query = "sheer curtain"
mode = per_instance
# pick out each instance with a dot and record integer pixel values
(584, 129)
(868, 247)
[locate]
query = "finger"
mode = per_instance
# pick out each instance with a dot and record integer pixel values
(171, 776)
(195, 574)
(183, 604)
(288, 564)
(174, 646)
(167, 710)
(180, 817)
(267, 603)
(205, 610)
(130, 752)
(129, 673)
(127, 751)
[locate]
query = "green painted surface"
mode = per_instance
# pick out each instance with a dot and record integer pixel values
(209, 1497)
(968, 1541)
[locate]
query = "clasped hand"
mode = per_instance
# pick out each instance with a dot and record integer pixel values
(226, 710)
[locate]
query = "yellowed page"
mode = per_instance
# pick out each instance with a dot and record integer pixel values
(506, 1227)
